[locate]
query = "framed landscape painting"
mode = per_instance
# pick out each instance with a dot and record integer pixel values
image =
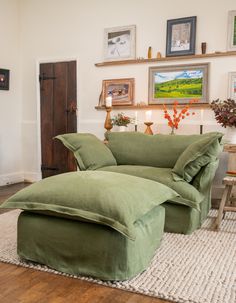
(121, 91)
(181, 36)
(178, 83)
(232, 31)
(232, 86)
(120, 43)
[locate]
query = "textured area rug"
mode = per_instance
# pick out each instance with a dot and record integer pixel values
(200, 268)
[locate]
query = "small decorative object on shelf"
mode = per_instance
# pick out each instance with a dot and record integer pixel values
(121, 121)
(203, 47)
(225, 115)
(176, 118)
(159, 55)
(150, 52)
(108, 125)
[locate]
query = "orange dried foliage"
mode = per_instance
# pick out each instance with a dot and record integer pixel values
(175, 118)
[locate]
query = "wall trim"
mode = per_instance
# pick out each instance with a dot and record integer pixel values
(12, 178)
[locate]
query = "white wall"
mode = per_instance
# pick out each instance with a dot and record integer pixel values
(61, 29)
(10, 101)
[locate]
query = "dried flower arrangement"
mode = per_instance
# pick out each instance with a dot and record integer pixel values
(176, 117)
(121, 120)
(225, 112)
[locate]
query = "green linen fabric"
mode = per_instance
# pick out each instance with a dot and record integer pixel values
(82, 248)
(134, 148)
(90, 152)
(189, 195)
(197, 155)
(107, 198)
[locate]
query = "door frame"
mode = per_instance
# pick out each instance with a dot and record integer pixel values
(38, 113)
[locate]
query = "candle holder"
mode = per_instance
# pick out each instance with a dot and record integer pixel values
(201, 129)
(136, 127)
(108, 125)
(148, 130)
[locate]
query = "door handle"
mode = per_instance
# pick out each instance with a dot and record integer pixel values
(72, 108)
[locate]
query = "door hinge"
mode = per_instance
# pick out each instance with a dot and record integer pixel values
(43, 77)
(48, 168)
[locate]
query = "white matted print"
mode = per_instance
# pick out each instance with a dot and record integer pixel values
(120, 43)
(232, 85)
(232, 31)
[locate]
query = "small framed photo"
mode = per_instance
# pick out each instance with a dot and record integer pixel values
(181, 36)
(121, 91)
(231, 31)
(120, 43)
(180, 83)
(232, 85)
(4, 79)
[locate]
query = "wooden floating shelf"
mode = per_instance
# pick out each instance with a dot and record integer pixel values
(165, 59)
(157, 106)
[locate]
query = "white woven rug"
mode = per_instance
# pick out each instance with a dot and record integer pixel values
(200, 268)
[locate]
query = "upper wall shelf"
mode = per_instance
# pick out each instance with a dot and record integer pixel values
(164, 59)
(157, 106)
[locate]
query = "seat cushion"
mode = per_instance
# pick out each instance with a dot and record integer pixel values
(189, 195)
(196, 156)
(134, 148)
(90, 152)
(107, 198)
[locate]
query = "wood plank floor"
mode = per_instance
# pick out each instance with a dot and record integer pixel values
(24, 285)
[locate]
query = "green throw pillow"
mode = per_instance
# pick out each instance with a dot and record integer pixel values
(197, 155)
(90, 152)
(106, 198)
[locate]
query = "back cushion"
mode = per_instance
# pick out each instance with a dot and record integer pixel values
(197, 155)
(136, 148)
(90, 152)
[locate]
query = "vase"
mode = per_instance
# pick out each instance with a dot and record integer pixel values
(172, 131)
(121, 128)
(230, 135)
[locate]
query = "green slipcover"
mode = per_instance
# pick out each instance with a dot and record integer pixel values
(90, 152)
(189, 195)
(134, 148)
(107, 198)
(197, 155)
(84, 248)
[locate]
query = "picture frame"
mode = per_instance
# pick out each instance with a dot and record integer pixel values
(121, 90)
(180, 83)
(120, 43)
(231, 45)
(181, 36)
(232, 86)
(4, 79)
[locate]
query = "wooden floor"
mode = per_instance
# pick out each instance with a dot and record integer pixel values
(23, 285)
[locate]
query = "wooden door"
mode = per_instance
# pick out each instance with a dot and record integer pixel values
(58, 115)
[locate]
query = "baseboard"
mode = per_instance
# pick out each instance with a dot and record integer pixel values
(32, 177)
(11, 178)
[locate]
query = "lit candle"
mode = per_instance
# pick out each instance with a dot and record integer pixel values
(136, 118)
(148, 116)
(108, 101)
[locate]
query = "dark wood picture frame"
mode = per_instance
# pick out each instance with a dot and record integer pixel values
(185, 30)
(4, 79)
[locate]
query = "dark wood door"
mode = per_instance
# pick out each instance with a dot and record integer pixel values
(58, 115)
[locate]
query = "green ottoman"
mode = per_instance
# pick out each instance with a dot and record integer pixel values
(100, 224)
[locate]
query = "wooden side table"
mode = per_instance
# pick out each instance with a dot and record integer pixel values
(229, 182)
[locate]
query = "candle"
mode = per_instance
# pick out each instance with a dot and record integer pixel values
(202, 114)
(148, 116)
(136, 118)
(108, 101)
